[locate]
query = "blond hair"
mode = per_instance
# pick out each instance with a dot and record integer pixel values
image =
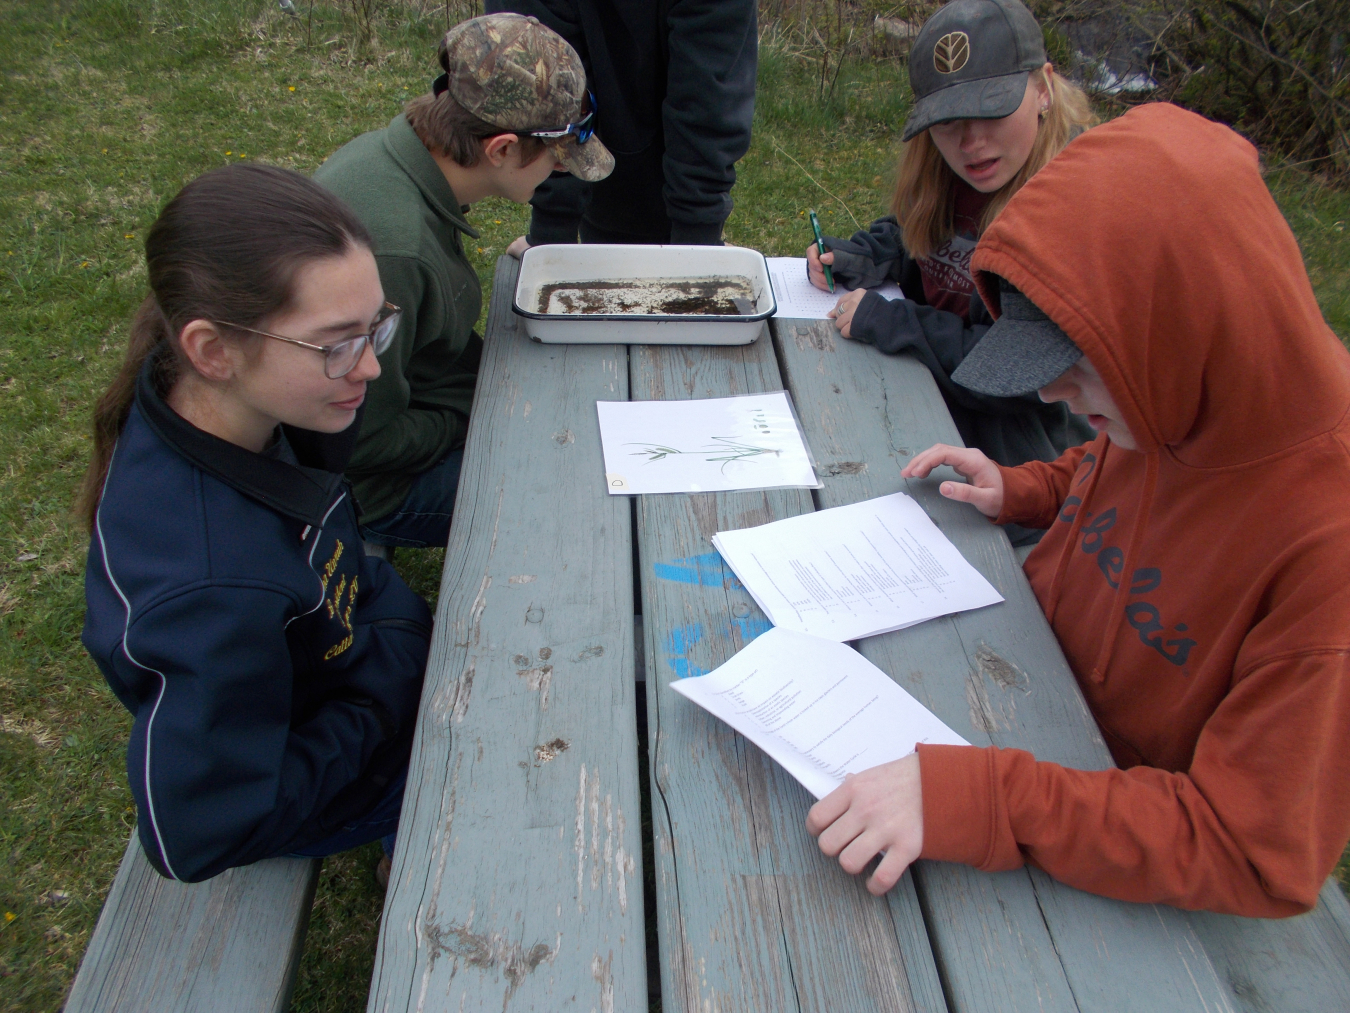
(925, 184)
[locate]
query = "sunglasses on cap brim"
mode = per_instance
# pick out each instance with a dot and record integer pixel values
(582, 129)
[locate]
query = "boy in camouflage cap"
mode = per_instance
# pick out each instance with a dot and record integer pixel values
(515, 74)
(510, 109)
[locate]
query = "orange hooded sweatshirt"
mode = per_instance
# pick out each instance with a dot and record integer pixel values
(1199, 586)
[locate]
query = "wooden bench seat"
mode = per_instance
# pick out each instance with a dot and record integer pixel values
(229, 945)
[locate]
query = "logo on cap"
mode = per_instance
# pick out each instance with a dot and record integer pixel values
(951, 52)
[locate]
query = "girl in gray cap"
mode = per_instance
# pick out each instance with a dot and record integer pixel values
(989, 113)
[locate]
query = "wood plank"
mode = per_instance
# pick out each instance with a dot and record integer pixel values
(1017, 940)
(517, 881)
(231, 943)
(1295, 965)
(751, 916)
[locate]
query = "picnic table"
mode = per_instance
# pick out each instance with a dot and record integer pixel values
(518, 882)
(518, 878)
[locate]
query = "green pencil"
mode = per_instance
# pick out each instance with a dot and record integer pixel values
(820, 248)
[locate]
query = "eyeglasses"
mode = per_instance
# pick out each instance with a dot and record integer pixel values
(341, 357)
(582, 128)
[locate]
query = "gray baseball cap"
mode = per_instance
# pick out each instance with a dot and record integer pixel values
(971, 61)
(1022, 352)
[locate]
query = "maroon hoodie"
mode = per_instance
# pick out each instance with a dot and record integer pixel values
(1199, 586)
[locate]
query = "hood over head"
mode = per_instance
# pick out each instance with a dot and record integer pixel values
(1153, 242)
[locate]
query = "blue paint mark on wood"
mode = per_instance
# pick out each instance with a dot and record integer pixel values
(680, 641)
(706, 569)
(677, 645)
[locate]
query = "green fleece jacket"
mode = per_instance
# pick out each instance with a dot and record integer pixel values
(418, 409)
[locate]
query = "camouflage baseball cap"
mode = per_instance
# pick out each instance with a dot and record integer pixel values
(513, 72)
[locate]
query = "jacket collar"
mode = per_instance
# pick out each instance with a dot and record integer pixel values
(412, 156)
(305, 492)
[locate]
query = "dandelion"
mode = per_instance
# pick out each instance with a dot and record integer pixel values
(84, 263)
(105, 151)
(229, 152)
(10, 916)
(292, 87)
(129, 235)
(496, 221)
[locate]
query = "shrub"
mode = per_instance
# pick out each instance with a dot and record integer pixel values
(1275, 70)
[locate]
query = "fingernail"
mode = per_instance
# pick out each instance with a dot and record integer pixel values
(945, 488)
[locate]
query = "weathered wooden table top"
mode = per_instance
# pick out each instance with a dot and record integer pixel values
(518, 877)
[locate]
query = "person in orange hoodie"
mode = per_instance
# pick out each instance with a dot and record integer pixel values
(1194, 567)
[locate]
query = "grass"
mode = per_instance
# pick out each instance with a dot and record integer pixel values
(106, 108)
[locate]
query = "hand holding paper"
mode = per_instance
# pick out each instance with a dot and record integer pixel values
(818, 707)
(877, 812)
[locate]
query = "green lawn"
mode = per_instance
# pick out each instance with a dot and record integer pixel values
(106, 108)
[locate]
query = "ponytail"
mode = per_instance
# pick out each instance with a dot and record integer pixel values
(226, 248)
(149, 330)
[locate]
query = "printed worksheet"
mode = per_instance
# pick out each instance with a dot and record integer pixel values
(854, 571)
(710, 445)
(819, 708)
(797, 298)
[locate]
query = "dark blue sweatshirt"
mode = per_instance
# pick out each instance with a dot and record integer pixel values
(272, 668)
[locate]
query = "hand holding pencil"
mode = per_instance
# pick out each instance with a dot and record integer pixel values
(815, 267)
(822, 253)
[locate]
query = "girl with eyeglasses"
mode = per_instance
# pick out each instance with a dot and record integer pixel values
(989, 113)
(272, 669)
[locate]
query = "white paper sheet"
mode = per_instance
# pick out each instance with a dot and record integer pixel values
(709, 445)
(817, 707)
(854, 571)
(797, 298)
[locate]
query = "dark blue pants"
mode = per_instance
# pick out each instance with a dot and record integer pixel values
(380, 824)
(423, 521)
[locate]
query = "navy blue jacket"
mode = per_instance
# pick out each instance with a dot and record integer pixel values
(272, 668)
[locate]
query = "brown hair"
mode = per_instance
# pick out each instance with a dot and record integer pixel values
(448, 129)
(925, 184)
(227, 247)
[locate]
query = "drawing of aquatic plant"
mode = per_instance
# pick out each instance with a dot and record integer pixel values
(729, 450)
(733, 450)
(653, 451)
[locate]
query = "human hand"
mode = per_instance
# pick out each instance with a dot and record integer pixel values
(813, 269)
(518, 248)
(985, 491)
(843, 311)
(879, 810)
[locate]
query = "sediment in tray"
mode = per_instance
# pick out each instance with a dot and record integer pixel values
(649, 297)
